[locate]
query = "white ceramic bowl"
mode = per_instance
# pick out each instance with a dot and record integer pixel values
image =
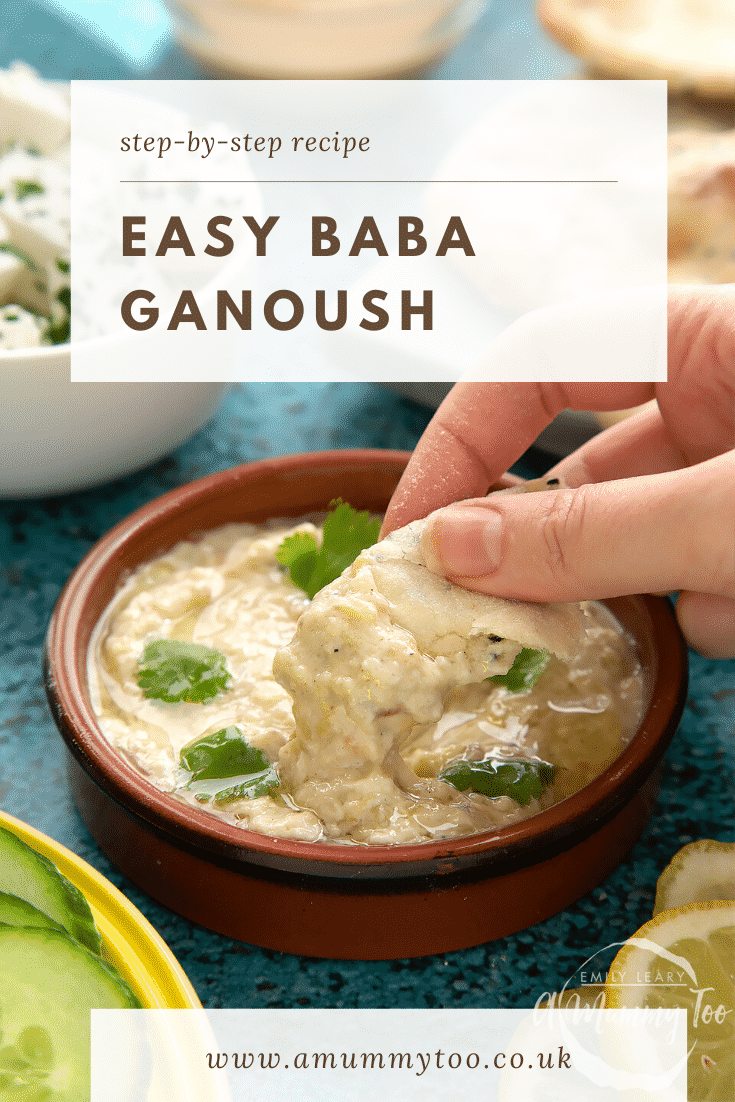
(57, 436)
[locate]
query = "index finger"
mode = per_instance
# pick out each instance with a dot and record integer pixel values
(480, 429)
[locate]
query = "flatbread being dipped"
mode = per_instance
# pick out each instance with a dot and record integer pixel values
(388, 670)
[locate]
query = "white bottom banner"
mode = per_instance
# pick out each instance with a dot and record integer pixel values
(388, 1055)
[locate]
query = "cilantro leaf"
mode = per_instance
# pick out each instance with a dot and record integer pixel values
(501, 777)
(346, 533)
(173, 671)
(225, 753)
(525, 671)
(298, 554)
(250, 789)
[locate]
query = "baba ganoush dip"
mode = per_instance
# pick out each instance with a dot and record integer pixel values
(386, 676)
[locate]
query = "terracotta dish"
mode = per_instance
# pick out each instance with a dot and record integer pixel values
(328, 900)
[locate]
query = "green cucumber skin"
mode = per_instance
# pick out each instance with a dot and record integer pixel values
(15, 911)
(47, 979)
(31, 876)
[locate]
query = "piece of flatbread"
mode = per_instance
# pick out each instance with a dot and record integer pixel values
(441, 615)
(377, 651)
(690, 43)
(702, 207)
(390, 636)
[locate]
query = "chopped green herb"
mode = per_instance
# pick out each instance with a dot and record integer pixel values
(346, 533)
(501, 777)
(525, 671)
(225, 753)
(62, 265)
(59, 328)
(24, 188)
(13, 250)
(173, 671)
(59, 333)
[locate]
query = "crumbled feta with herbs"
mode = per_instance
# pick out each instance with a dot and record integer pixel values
(35, 236)
(34, 211)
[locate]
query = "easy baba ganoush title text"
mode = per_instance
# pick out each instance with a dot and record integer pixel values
(282, 309)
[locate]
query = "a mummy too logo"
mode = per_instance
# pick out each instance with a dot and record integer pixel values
(643, 1022)
(588, 989)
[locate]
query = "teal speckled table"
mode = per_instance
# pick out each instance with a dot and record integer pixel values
(40, 544)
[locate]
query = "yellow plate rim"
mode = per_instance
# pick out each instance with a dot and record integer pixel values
(129, 941)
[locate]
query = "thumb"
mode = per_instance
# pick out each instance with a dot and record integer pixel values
(656, 533)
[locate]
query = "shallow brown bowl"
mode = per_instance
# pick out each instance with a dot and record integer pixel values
(339, 901)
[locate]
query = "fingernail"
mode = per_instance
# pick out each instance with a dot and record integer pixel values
(463, 541)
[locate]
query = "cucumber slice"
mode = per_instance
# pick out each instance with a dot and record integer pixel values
(17, 912)
(48, 985)
(32, 877)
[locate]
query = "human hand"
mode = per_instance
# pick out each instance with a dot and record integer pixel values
(651, 503)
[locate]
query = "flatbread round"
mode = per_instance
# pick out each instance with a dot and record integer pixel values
(702, 207)
(690, 43)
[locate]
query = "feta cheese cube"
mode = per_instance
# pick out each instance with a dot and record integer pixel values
(35, 205)
(20, 328)
(32, 112)
(10, 265)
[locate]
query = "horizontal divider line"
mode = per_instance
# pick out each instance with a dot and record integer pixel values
(368, 181)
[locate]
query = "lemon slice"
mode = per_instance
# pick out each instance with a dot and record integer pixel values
(697, 873)
(701, 938)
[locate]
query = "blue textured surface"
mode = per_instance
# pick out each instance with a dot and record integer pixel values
(40, 544)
